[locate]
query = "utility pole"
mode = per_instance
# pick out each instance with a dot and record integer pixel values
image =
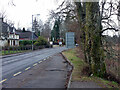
(33, 31)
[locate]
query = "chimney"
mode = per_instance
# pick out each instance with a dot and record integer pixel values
(1, 19)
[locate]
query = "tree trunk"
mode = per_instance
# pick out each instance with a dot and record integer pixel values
(93, 41)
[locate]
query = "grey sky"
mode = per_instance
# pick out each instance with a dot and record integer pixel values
(24, 9)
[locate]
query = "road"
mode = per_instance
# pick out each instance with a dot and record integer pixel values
(50, 73)
(12, 66)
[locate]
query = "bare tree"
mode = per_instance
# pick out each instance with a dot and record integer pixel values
(46, 30)
(3, 14)
(11, 2)
(109, 10)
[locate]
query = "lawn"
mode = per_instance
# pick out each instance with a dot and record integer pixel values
(79, 65)
(6, 52)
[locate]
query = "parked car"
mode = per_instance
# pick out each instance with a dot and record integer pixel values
(60, 43)
(76, 45)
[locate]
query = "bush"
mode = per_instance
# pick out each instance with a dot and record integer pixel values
(26, 42)
(41, 41)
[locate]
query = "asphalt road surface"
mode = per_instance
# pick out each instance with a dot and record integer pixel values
(50, 73)
(13, 66)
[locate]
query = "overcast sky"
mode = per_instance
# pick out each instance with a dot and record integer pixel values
(24, 9)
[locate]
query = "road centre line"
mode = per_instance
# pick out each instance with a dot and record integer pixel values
(44, 59)
(3, 80)
(40, 61)
(7, 61)
(35, 64)
(27, 68)
(17, 74)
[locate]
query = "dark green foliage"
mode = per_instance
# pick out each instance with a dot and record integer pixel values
(56, 32)
(38, 33)
(41, 41)
(26, 42)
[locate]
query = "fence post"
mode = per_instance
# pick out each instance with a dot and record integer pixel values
(8, 50)
(3, 50)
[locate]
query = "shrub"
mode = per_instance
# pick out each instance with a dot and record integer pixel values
(41, 41)
(26, 42)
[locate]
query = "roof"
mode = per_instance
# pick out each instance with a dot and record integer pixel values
(26, 35)
(5, 29)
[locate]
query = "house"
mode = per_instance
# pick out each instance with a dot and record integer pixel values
(8, 36)
(26, 35)
(13, 39)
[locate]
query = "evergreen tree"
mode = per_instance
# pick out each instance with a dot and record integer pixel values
(56, 32)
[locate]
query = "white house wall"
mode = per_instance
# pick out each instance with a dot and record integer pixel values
(3, 42)
(10, 42)
(16, 36)
(13, 36)
(17, 42)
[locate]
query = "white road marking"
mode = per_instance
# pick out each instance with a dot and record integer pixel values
(35, 64)
(17, 74)
(44, 59)
(3, 80)
(8, 61)
(27, 68)
(40, 61)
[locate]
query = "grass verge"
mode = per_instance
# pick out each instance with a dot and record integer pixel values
(12, 52)
(79, 65)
